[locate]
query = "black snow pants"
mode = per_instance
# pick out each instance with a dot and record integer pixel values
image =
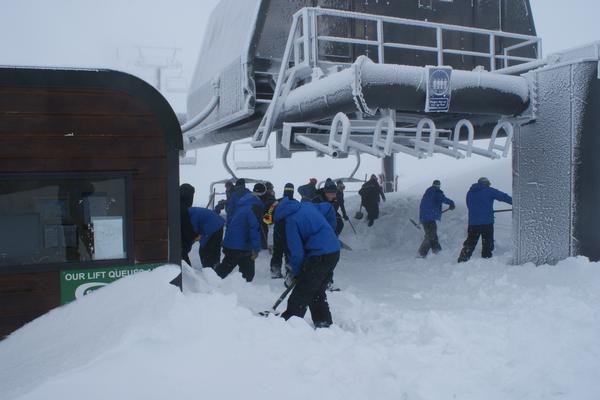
(339, 224)
(232, 259)
(264, 235)
(372, 212)
(487, 242)
(210, 254)
(310, 290)
(279, 247)
(430, 241)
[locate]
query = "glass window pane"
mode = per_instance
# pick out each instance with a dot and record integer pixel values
(62, 219)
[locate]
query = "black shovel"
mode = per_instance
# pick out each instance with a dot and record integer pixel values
(273, 310)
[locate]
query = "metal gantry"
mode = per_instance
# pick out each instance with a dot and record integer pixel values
(377, 132)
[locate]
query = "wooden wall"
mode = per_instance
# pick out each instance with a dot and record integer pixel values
(80, 128)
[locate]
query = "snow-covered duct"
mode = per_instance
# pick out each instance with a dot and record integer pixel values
(401, 88)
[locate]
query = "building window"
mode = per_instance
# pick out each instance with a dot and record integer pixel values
(64, 218)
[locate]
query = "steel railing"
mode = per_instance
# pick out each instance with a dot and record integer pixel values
(307, 36)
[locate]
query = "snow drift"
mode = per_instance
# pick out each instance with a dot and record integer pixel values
(404, 328)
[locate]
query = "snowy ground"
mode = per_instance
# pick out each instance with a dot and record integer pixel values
(404, 328)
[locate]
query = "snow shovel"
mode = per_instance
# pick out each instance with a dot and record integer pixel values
(352, 226)
(418, 226)
(345, 246)
(273, 310)
(359, 214)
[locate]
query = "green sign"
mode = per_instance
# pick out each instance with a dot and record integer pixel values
(75, 284)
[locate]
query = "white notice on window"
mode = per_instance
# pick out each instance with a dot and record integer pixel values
(108, 238)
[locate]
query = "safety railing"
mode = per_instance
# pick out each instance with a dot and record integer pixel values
(307, 38)
(382, 138)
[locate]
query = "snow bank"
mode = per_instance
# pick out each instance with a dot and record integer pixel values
(404, 328)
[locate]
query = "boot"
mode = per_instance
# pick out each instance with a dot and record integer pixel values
(332, 288)
(276, 272)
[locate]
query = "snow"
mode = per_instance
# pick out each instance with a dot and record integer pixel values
(404, 328)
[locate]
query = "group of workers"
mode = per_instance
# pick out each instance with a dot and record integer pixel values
(480, 202)
(305, 232)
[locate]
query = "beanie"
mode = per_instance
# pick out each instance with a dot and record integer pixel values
(485, 181)
(259, 189)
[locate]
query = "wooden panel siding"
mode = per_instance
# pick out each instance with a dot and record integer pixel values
(79, 121)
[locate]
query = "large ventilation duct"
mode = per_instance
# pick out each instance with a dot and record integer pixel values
(367, 85)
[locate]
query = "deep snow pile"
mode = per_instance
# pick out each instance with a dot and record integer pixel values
(404, 328)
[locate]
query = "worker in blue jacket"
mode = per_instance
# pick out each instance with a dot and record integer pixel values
(309, 191)
(279, 241)
(314, 251)
(242, 237)
(430, 211)
(480, 201)
(209, 226)
(239, 191)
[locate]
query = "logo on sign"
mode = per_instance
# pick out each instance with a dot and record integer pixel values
(438, 89)
(87, 288)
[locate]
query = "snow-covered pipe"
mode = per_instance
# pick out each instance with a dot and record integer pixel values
(317, 146)
(202, 115)
(402, 88)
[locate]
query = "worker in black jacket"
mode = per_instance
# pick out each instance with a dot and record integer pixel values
(370, 195)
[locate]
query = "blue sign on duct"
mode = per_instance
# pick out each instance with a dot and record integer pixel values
(439, 89)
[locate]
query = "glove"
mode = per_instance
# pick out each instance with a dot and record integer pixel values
(254, 255)
(346, 218)
(289, 280)
(452, 207)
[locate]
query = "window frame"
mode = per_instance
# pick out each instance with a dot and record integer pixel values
(128, 221)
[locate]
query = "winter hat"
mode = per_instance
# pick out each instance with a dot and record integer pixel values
(373, 177)
(240, 183)
(313, 181)
(289, 187)
(485, 181)
(259, 189)
(186, 194)
(437, 183)
(330, 186)
(269, 185)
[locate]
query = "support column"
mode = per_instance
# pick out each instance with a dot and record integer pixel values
(388, 170)
(556, 168)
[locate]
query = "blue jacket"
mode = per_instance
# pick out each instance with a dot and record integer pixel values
(307, 232)
(205, 223)
(480, 200)
(307, 192)
(243, 229)
(431, 204)
(328, 211)
(232, 202)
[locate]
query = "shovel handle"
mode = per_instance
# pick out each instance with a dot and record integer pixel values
(284, 295)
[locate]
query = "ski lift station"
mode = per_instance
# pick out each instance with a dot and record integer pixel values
(422, 77)
(336, 77)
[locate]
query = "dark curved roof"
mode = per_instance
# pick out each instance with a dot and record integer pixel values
(100, 79)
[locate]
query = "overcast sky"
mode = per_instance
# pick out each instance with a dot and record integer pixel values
(98, 33)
